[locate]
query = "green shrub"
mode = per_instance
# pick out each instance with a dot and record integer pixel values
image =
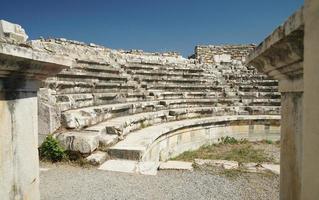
(268, 141)
(51, 150)
(231, 140)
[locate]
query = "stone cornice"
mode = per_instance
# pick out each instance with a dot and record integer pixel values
(280, 55)
(22, 62)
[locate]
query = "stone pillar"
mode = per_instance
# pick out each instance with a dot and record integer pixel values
(20, 71)
(280, 56)
(290, 155)
(310, 160)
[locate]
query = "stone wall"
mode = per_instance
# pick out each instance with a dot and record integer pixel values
(222, 54)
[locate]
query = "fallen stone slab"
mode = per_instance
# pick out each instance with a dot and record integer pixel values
(107, 140)
(226, 164)
(252, 167)
(272, 168)
(147, 168)
(83, 142)
(129, 166)
(97, 158)
(126, 166)
(176, 165)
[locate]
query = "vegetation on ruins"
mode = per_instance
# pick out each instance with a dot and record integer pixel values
(231, 140)
(228, 148)
(52, 150)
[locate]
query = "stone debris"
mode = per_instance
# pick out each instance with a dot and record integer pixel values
(252, 167)
(96, 158)
(247, 167)
(176, 165)
(226, 164)
(272, 168)
(10, 32)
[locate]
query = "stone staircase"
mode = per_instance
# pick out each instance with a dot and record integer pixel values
(123, 103)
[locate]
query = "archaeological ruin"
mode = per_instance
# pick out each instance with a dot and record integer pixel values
(140, 108)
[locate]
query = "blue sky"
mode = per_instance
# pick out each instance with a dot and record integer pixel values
(151, 25)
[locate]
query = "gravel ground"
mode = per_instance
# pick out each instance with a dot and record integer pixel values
(64, 182)
(272, 150)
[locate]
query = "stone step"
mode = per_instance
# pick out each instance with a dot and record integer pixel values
(136, 144)
(162, 67)
(84, 117)
(109, 132)
(86, 142)
(164, 74)
(113, 69)
(183, 87)
(172, 103)
(265, 95)
(72, 86)
(250, 88)
(88, 116)
(170, 80)
(75, 101)
(255, 82)
(126, 124)
(78, 72)
(162, 95)
(129, 166)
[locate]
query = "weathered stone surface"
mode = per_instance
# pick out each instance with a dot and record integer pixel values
(97, 158)
(148, 168)
(12, 32)
(226, 164)
(129, 166)
(176, 165)
(126, 166)
(272, 168)
(137, 143)
(83, 142)
(217, 54)
(281, 56)
(252, 167)
(107, 140)
(21, 69)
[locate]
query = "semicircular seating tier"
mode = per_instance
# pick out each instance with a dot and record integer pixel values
(125, 102)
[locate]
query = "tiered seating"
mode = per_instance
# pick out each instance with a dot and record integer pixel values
(137, 98)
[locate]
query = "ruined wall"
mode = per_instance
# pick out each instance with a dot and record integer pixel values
(225, 53)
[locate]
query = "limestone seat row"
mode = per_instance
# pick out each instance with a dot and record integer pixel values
(87, 116)
(109, 132)
(137, 143)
